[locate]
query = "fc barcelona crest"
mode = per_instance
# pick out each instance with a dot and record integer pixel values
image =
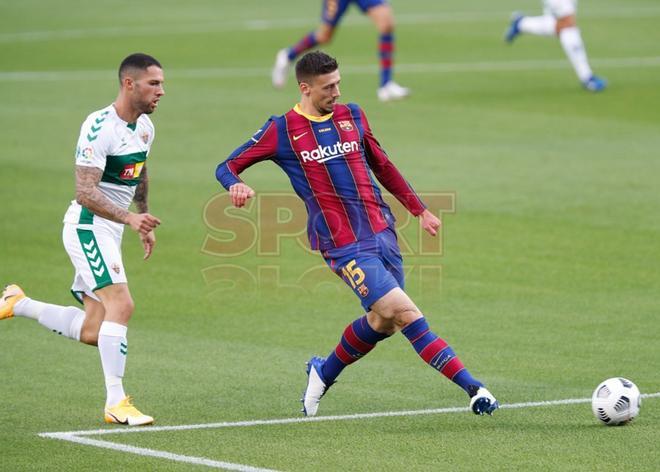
(346, 125)
(363, 290)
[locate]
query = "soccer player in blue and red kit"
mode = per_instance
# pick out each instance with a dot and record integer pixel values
(330, 155)
(380, 13)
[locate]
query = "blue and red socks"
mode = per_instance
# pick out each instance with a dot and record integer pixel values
(439, 355)
(358, 339)
(306, 43)
(386, 51)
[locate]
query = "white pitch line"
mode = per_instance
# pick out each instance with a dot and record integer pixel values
(315, 419)
(78, 436)
(205, 27)
(420, 68)
(142, 451)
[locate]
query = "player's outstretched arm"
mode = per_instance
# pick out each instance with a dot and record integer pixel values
(240, 193)
(89, 196)
(430, 222)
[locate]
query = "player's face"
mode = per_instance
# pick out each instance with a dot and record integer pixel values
(324, 91)
(146, 88)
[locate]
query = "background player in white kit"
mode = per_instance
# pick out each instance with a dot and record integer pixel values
(559, 17)
(110, 174)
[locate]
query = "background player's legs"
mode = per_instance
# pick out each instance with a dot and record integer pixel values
(285, 57)
(113, 346)
(544, 25)
(559, 18)
(331, 14)
(383, 17)
(571, 41)
(322, 35)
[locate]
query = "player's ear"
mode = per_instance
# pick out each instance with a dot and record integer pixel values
(305, 88)
(127, 82)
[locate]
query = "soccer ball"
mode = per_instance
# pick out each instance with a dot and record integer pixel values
(616, 401)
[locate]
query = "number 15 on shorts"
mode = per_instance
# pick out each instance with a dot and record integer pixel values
(353, 274)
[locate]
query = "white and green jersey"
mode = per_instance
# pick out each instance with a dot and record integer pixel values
(118, 148)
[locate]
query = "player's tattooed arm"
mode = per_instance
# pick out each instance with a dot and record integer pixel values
(141, 192)
(89, 195)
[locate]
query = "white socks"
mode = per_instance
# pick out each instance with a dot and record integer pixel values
(538, 25)
(67, 321)
(571, 41)
(64, 320)
(113, 348)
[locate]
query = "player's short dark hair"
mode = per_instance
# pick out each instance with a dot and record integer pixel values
(138, 61)
(314, 63)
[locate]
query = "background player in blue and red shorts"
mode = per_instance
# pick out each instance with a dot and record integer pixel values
(330, 155)
(380, 13)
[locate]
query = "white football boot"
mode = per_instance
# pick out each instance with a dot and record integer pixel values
(392, 91)
(483, 402)
(316, 386)
(281, 68)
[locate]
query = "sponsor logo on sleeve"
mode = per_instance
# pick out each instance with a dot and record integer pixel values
(85, 153)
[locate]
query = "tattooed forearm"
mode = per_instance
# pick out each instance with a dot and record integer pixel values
(141, 193)
(89, 196)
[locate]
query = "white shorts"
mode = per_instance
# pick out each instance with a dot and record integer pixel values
(559, 8)
(96, 257)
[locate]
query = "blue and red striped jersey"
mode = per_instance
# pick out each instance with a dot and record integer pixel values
(331, 162)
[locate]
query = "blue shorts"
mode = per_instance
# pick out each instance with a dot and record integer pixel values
(371, 267)
(333, 10)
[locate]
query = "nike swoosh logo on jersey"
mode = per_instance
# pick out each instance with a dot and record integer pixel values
(296, 138)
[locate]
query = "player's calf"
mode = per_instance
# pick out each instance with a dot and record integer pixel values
(438, 354)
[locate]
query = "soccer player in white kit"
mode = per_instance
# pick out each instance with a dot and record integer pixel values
(559, 17)
(110, 174)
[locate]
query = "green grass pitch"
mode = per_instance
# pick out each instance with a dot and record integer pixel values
(547, 283)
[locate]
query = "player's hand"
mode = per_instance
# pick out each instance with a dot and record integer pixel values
(143, 223)
(148, 242)
(430, 222)
(239, 194)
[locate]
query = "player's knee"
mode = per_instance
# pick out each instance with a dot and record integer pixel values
(405, 315)
(120, 310)
(565, 22)
(323, 36)
(127, 307)
(386, 26)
